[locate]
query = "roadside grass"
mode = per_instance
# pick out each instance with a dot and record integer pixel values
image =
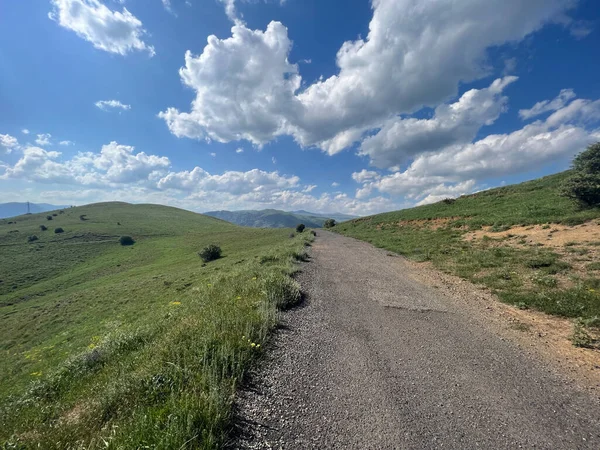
(139, 346)
(524, 275)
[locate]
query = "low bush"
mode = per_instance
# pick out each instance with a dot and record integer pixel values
(43, 227)
(580, 336)
(59, 230)
(48, 217)
(300, 228)
(126, 240)
(210, 253)
(32, 238)
(83, 217)
(329, 223)
(448, 201)
(282, 291)
(314, 233)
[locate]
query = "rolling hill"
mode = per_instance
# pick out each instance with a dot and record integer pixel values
(273, 218)
(140, 345)
(527, 243)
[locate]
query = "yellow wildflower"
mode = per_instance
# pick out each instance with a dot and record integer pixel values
(36, 374)
(175, 303)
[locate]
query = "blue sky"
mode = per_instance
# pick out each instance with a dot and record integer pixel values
(351, 106)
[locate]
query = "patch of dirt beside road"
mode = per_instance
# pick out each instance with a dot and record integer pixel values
(548, 336)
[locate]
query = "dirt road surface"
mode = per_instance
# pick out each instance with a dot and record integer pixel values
(376, 360)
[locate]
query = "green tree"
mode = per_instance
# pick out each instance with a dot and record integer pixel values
(329, 223)
(300, 228)
(584, 185)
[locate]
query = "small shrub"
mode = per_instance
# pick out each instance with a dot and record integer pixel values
(43, 227)
(32, 238)
(329, 223)
(580, 336)
(210, 253)
(448, 201)
(292, 235)
(48, 217)
(54, 215)
(59, 230)
(300, 228)
(313, 232)
(126, 240)
(83, 217)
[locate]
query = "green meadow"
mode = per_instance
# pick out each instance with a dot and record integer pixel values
(139, 346)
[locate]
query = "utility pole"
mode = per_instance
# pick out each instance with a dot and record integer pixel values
(28, 209)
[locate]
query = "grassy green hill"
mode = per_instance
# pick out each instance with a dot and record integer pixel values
(559, 279)
(136, 346)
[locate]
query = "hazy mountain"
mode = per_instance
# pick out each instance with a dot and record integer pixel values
(273, 218)
(18, 209)
(339, 217)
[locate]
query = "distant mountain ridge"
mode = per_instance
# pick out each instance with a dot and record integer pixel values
(19, 208)
(274, 218)
(339, 217)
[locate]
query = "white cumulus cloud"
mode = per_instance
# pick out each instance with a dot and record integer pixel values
(459, 122)
(244, 87)
(114, 164)
(108, 30)
(413, 56)
(458, 168)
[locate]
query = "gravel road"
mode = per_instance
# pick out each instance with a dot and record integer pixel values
(377, 360)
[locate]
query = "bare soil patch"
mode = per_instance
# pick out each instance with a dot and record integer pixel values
(548, 235)
(545, 335)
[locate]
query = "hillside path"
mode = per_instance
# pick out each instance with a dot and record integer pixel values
(377, 360)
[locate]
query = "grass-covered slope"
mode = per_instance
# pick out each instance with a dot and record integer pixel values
(132, 346)
(532, 202)
(504, 256)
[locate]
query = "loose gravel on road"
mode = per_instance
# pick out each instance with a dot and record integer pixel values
(376, 360)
